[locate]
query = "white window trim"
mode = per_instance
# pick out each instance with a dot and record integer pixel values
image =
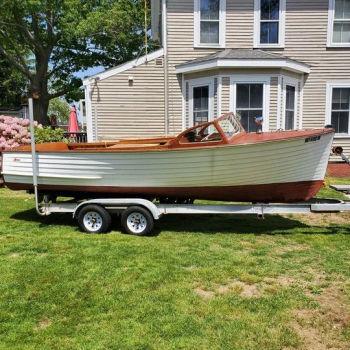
(252, 79)
(183, 83)
(301, 102)
(279, 102)
(197, 83)
(329, 94)
(222, 26)
(281, 28)
(287, 81)
(124, 67)
(330, 43)
(88, 108)
(282, 63)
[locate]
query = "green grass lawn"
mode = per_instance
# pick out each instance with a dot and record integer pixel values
(215, 282)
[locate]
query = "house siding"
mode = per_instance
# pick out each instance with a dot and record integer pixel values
(180, 38)
(121, 111)
(306, 26)
(139, 110)
(306, 40)
(225, 94)
(273, 103)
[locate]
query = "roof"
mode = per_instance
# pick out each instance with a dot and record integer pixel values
(243, 58)
(123, 67)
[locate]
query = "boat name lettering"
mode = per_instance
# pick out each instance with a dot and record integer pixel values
(313, 139)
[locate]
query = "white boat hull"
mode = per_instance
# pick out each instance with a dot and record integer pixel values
(208, 173)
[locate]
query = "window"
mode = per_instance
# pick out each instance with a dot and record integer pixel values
(339, 23)
(210, 13)
(269, 23)
(340, 110)
(209, 19)
(249, 99)
(200, 99)
(290, 108)
(249, 104)
(200, 104)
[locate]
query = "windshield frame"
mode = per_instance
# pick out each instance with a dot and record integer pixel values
(216, 123)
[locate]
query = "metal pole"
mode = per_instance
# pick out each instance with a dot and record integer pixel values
(166, 66)
(146, 26)
(34, 158)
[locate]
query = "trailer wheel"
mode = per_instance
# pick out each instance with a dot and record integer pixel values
(137, 221)
(94, 219)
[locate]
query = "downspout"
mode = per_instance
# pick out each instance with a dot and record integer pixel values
(88, 107)
(166, 66)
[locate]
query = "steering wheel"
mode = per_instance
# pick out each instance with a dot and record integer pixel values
(201, 133)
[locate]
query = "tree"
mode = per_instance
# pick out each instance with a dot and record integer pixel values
(59, 108)
(63, 37)
(12, 85)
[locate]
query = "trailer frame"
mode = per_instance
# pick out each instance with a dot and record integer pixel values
(148, 211)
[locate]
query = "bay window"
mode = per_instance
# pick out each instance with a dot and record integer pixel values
(290, 108)
(209, 17)
(201, 100)
(200, 104)
(249, 99)
(249, 104)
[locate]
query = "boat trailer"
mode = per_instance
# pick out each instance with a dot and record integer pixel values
(138, 215)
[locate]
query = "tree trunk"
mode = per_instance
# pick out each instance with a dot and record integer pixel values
(41, 107)
(38, 90)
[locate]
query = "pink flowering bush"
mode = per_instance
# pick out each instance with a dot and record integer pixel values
(14, 132)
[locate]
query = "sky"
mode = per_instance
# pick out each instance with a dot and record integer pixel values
(88, 72)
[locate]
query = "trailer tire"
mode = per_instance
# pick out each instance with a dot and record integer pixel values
(94, 219)
(137, 221)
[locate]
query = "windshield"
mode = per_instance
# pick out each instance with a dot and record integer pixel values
(207, 133)
(230, 125)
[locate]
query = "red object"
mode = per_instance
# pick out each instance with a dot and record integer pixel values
(341, 170)
(290, 192)
(73, 125)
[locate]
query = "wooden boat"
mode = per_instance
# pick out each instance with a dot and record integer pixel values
(215, 161)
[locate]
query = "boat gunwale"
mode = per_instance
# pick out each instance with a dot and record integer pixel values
(166, 148)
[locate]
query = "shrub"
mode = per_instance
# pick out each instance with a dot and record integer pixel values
(13, 132)
(46, 134)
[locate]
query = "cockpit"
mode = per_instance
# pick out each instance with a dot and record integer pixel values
(219, 130)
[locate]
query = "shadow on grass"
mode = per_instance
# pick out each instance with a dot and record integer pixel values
(202, 224)
(31, 215)
(243, 224)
